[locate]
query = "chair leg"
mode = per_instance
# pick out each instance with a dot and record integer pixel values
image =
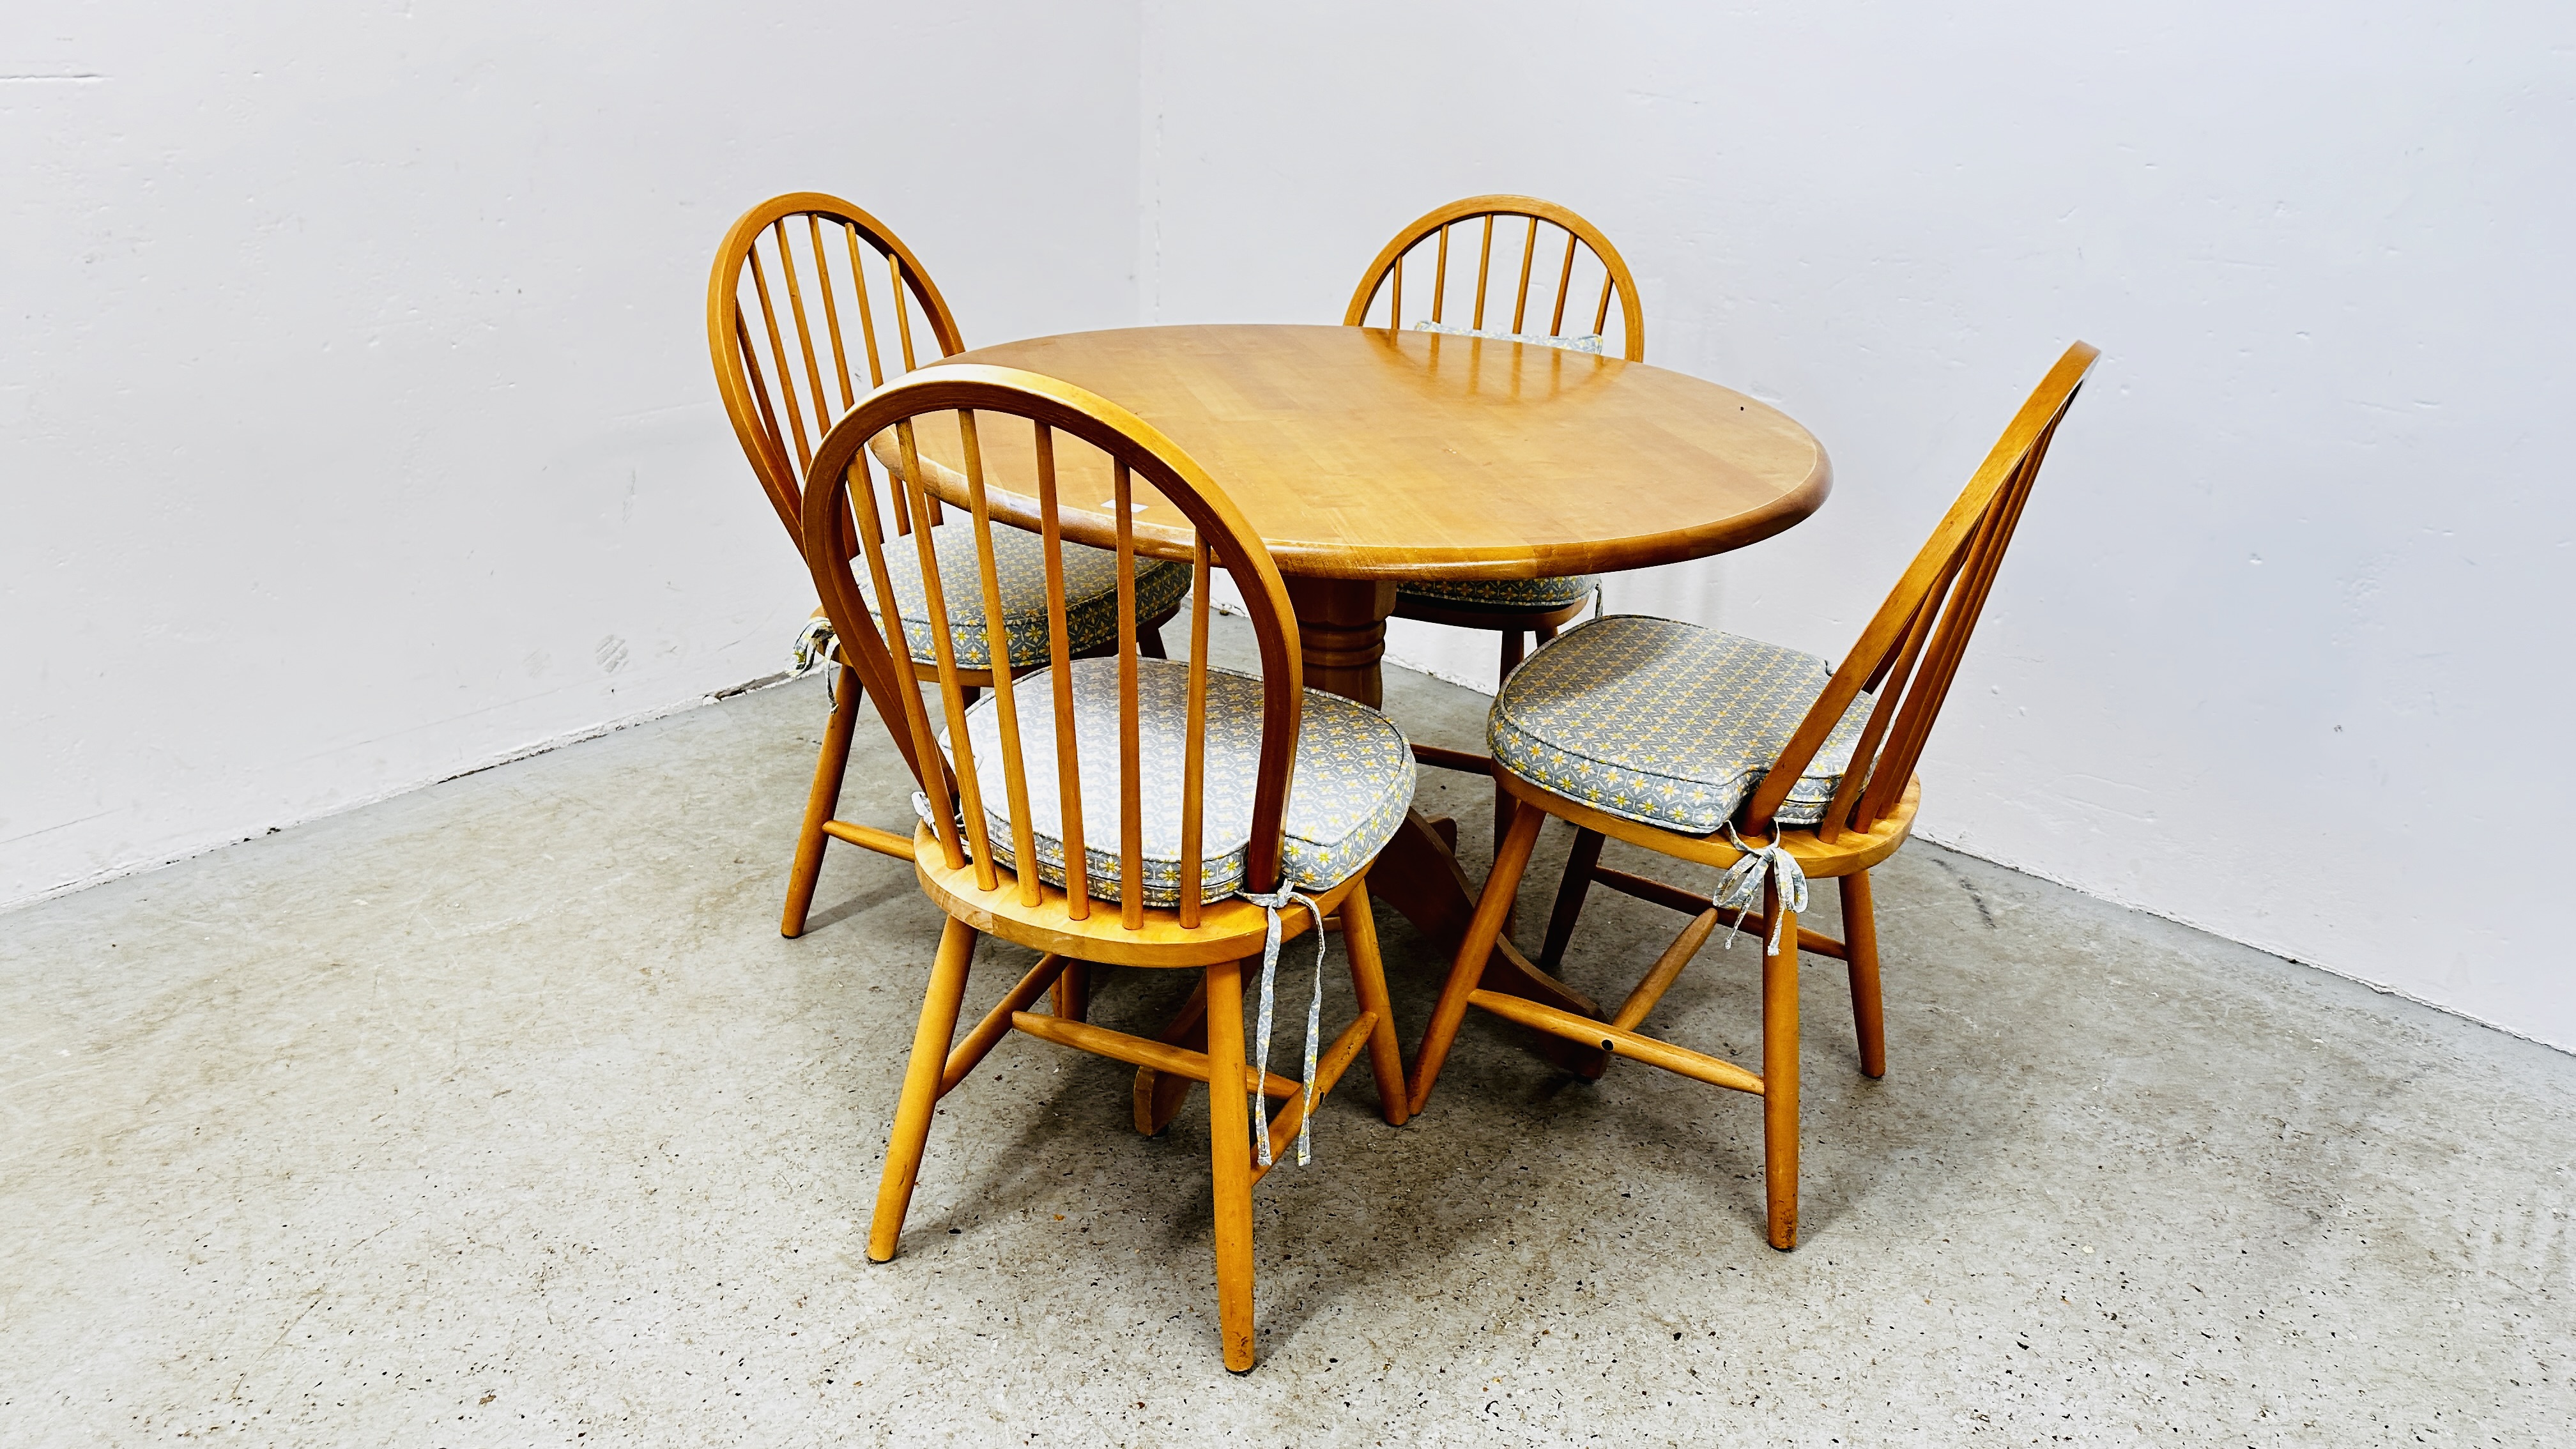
(1503, 797)
(1860, 936)
(1368, 983)
(930, 1039)
(1149, 641)
(1569, 897)
(1158, 1095)
(1230, 1162)
(1510, 859)
(1780, 1074)
(1073, 992)
(820, 802)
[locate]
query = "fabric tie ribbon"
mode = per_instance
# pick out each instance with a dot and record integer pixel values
(1741, 889)
(814, 651)
(1270, 908)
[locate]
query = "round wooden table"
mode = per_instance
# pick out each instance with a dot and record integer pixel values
(1366, 457)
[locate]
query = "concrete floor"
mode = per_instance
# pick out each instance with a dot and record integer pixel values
(500, 1114)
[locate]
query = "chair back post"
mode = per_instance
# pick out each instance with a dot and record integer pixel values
(807, 284)
(840, 498)
(1911, 648)
(1579, 237)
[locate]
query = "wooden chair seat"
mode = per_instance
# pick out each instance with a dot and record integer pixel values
(1228, 930)
(1668, 723)
(1354, 779)
(1849, 850)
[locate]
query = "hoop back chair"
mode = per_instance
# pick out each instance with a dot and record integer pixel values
(1576, 274)
(811, 305)
(1127, 810)
(1652, 732)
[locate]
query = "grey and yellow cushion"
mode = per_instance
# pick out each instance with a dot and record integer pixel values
(1019, 562)
(1667, 723)
(1354, 779)
(1536, 595)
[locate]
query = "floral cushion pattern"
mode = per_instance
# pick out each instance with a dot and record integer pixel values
(1019, 562)
(1667, 723)
(1533, 594)
(1353, 784)
(1589, 343)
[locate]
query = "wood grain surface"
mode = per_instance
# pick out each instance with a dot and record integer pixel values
(1362, 453)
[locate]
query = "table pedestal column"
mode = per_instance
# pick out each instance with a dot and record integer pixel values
(1341, 632)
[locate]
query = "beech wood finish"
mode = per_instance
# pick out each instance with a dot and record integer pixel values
(808, 287)
(1357, 453)
(1908, 653)
(954, 855)
(1533, 227)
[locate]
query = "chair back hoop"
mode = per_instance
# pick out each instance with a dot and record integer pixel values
(1910, 650)
(1532, 248)
(807, 287)
(842, 498)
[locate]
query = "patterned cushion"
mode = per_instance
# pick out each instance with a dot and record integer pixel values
(1354, 778)
(1667, 723)
(1589, 342)
(1019, 561)
(1534, 594)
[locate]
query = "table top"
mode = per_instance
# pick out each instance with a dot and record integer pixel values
(1365, 453)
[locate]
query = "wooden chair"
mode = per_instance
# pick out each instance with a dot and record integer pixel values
(1565, 256)
(1653, 732)
(1217, 783)
(808, 287)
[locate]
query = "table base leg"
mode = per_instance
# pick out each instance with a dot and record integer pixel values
(1341, 629)
(1420, 878)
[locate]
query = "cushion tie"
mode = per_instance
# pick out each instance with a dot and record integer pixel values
(1270, 906)
(1742, 887)
(813, 651)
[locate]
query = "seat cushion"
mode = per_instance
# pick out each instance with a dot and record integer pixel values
(1353, 784)
(1667, 723)
(1589, 343)
(1019, 562)
(1534, 594)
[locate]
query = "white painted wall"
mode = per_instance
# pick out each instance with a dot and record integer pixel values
(2280, 651)
(356, 426)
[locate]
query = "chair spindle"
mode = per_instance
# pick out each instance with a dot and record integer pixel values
(1068, 765)
(1484, 269)
(1131, 798)
(1529, 254)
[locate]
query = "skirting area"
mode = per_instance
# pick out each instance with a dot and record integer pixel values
(500, 1113)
